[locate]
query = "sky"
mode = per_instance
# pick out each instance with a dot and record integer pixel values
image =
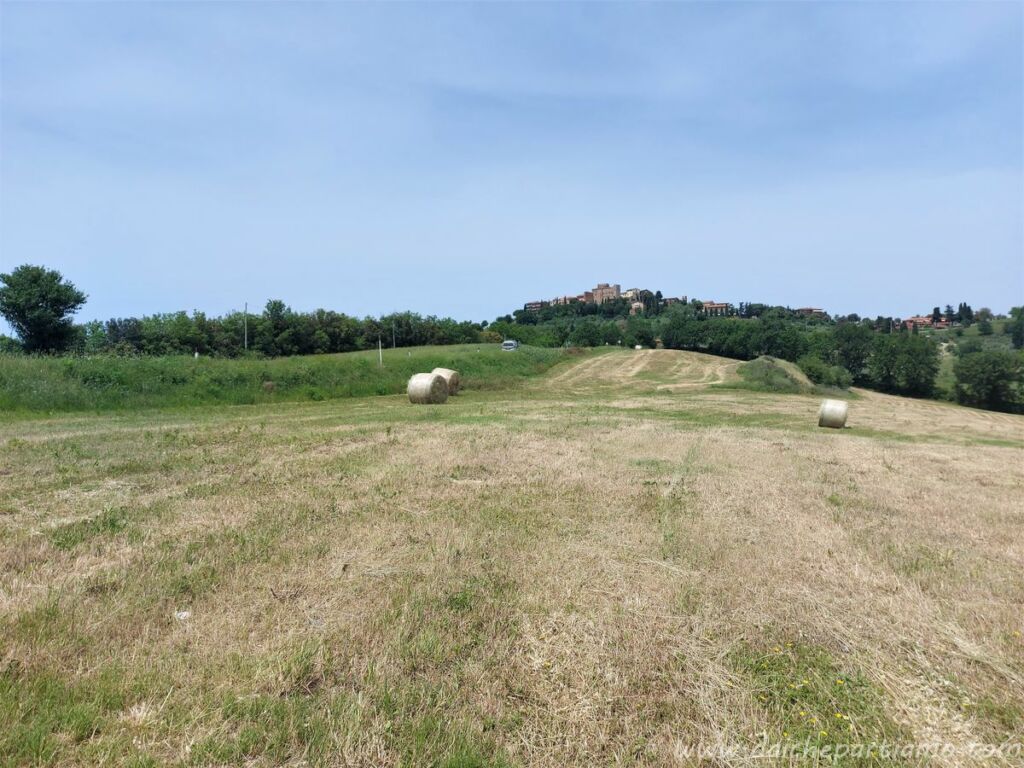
(462, 159)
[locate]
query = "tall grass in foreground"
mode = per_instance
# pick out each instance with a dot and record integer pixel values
(62, 384)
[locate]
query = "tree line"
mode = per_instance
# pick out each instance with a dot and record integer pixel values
(839, 351)
(39, 303)
(278, 331)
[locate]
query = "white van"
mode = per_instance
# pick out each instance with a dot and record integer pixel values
(509, 345)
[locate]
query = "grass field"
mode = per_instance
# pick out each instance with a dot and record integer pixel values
(102, 383)
(605, 565)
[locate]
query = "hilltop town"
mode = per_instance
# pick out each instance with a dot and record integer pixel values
(642, 299)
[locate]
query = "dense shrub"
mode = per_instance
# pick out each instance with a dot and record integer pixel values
(820, 372)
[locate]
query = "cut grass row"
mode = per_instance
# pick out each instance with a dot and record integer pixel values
(36, 385)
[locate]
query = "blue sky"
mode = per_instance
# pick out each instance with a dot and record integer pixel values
(461, 159)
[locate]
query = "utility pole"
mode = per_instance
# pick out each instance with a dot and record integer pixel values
(393, 345)
(380, 353)
(245, 327)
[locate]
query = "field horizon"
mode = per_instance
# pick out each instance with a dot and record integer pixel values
(617, 558)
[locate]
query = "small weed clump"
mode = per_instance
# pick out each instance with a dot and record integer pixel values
(68, 536)
(809, 697)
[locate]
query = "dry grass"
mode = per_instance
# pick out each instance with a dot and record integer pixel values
(599, 570)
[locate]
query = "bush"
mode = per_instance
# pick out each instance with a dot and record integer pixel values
(820, 372)
(969, 347)
(770, 375)
(9, 346)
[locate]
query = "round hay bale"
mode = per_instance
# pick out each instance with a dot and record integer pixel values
(832, 414)
(427, 388)
(450, 377)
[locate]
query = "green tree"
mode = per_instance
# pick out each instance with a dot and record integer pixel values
(274, 333)
(638, 331)
(985, 327)
(96, 339)
(904, 364)
(586, 334)
(9, 346)
(990, 379)
(883, 363)
(919, 364)
(782, 339)
(853, 347)
(1016, 326)
(39, 303)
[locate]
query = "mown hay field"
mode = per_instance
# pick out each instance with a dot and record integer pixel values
(616, 563)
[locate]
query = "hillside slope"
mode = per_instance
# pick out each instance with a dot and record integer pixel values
(656, 370)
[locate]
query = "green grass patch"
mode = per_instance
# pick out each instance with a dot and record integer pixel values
(278, 730)
(918, 560)
(63, 384)
(110, 522)
(309, 714)
(808, 697)
(44, 716)
(1000, 716)
(424, 733)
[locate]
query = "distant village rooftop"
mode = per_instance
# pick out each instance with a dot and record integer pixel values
(639, 299)
(599, 294)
